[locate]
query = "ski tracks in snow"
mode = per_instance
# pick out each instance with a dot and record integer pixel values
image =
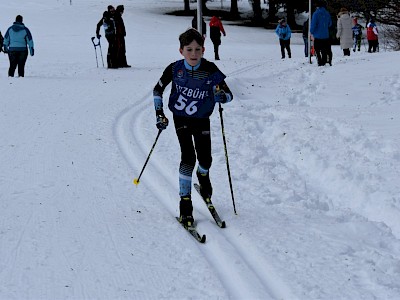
(240, 267)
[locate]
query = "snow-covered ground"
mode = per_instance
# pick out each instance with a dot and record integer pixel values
(314, 156)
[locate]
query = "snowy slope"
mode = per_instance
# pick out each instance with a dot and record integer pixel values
(314, 156)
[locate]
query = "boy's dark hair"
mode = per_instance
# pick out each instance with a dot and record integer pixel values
(18, 19)
(189, 36)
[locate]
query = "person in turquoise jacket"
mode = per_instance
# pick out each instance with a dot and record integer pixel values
(284, 34)
(321, 21)
(16, 40)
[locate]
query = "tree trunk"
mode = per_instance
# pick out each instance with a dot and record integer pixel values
(257, 11)
(290, 18)
(187, 6)
(234, 13)
(271, 11)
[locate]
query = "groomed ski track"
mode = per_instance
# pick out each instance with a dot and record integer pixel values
(242, 270)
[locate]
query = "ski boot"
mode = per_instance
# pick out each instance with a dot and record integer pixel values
(205, 184)
(186, 211)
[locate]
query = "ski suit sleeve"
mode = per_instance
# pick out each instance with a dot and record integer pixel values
(159, 88)
(221, 28)
(222, 93)
(98, 26)
(29, 41)
(277, 31)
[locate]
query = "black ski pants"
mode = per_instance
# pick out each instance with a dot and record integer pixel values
(112, 59)
(17, 59)
(194, 138)
(285, 44)
(372, 45)
(323, 50)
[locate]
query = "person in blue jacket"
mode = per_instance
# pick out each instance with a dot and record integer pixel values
(321, 21)
(197, 85)
(16, 40)
(284, 34)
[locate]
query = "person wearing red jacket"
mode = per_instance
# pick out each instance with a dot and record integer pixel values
(216, 28)
(372, 36)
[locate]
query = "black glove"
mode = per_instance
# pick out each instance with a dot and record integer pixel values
(283, 35)
(98, 36)
(162, 122)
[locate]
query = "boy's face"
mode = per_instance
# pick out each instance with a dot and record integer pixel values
(192, 53)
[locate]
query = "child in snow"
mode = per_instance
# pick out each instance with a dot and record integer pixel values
(357, 35)
(216, 28)
(284, 34)
(197, 85)
(372, 36)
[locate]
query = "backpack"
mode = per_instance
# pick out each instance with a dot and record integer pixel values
(1, 42)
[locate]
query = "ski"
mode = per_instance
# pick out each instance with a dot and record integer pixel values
(193, 232)
(211, 208)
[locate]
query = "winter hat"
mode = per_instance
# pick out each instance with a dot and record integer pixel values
(18, 19)
(120, 8)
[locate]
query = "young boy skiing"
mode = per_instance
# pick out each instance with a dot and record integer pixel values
(197, 85)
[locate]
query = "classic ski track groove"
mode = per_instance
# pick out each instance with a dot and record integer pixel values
(239, 270)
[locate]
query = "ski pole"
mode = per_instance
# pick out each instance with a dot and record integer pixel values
(136, 180)
(94, 45)
(226, 156)
(101, 53)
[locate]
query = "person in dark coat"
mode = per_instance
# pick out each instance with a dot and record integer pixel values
(321, 21)
(108, 22)
(120, 38)
(203, 25)
(17, 40)
(216, 28)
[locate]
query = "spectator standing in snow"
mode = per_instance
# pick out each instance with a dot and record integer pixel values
(216, 28)
(321, 21)
(120, 38)
(17, 40)
(344, 31)
(203, 25)
(284, 34)
(372, 36)
(108, 22)
(357, 35)
(197, 85)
